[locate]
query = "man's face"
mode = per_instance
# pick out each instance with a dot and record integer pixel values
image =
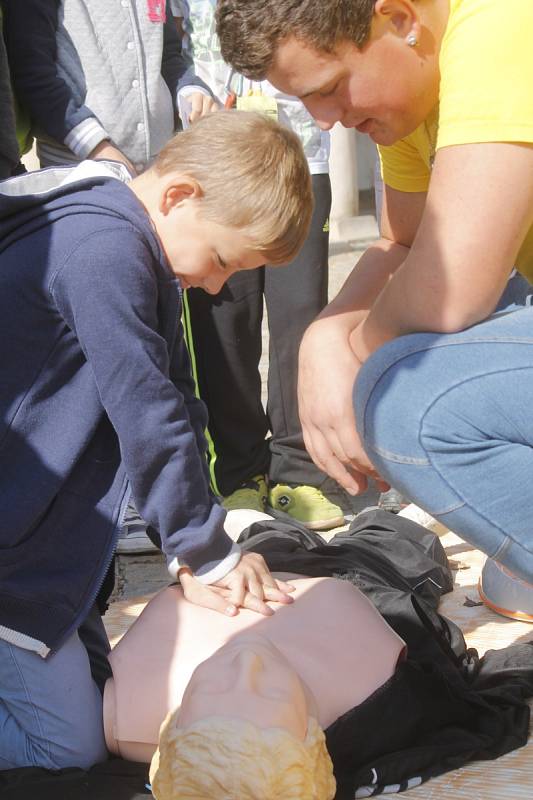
(385, 89)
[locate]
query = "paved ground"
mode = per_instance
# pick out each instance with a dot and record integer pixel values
(143, 574)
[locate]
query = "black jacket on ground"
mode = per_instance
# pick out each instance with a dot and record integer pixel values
(444, 706)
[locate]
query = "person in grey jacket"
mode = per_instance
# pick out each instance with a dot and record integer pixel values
(100, 79)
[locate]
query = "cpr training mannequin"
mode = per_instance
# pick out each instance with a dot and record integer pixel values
(245, 700)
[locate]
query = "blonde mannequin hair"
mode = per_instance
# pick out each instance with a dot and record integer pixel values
(222, 758)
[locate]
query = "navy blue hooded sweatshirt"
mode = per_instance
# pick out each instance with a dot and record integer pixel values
(95, 392)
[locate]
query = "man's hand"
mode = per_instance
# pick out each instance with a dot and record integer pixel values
(201, 104)
(327, 371)
(105, 151)
(249, 585)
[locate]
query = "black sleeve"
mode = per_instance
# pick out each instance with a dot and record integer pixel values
(30, 31)
(9, 151)
(175, 68)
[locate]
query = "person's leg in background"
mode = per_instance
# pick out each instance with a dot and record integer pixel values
(391, 500)
(295, 295)
(51, 709)
(224, 338)
(9, 151)
(447, 419)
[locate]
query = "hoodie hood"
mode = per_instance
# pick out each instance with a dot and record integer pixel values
(26, 198)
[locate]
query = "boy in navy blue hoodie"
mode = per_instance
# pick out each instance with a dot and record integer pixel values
(97, 401)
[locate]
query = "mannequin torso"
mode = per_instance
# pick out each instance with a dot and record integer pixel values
(332, 636)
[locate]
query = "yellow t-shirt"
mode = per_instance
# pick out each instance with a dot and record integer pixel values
(486, 94)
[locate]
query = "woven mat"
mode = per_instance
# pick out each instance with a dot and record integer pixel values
(507, 778)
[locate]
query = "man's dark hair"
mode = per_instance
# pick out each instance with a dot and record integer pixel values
(251, 30)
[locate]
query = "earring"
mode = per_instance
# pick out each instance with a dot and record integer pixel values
(412, 41)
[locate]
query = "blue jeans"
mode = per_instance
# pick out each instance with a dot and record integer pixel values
(51, 709)
(448, 421)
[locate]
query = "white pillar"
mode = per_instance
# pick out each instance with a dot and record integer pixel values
(343, 172)
(351, 167)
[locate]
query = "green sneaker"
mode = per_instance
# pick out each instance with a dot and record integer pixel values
(252, 494)
(307, 505)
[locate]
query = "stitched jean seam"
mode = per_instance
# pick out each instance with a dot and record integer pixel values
(398, 459)
(505, 546)
(46, 744)
(450, 509)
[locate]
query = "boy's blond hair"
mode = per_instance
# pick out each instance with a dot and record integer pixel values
(253, 174)
(230, 759)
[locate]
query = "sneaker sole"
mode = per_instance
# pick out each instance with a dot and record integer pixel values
(314, 525)
(324, 524)
(259, 509)
(522, 616)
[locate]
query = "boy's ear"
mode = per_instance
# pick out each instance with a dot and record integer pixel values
(177, 189)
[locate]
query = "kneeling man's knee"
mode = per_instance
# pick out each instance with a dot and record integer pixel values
(388, 411)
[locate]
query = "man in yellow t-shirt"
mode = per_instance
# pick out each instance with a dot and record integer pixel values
(485, 95)
(444, 384)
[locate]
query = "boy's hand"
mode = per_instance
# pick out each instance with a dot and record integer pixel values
(201, 104)
(246, 586)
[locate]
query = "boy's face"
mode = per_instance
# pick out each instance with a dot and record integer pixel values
(201, 253)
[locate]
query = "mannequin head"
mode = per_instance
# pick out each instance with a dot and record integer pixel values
(246, 730)
(224, 758)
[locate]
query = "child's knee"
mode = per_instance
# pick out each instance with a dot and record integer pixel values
(85, 748)
(81, 748)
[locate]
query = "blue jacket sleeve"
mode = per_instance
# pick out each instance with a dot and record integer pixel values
(108, 294)
(30, 29)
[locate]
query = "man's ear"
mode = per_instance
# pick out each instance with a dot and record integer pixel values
(177, 189)
(402, 15)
